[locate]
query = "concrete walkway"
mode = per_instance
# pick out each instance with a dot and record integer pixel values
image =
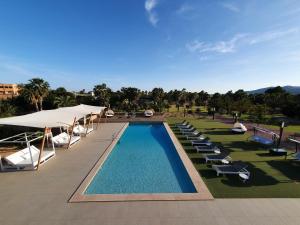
(42, 197)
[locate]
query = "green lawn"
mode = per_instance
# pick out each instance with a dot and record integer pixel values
(293, 127)
(271, 177)
(173, 108)
(289, 128)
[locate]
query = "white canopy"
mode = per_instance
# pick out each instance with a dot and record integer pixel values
(83, 109)
(52, 118)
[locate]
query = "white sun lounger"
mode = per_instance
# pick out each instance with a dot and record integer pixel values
(63, 139)
(197, 138)
(201, 143)
(183, 124)
(223, 158)
(213, 149)
(80, 130)
(184, 127)
(236, 168)
(188, 131)
(196, 135)
(22, 158)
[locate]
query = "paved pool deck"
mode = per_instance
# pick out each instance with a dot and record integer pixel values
(41, 197)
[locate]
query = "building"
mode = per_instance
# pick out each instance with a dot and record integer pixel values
(8, 91)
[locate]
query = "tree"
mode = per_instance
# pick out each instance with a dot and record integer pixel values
(29, 94)
(241, 101)
(173, 97)
(239, 95)
(62, 95)
(7, 109)
(116, 100)
(275, 98)
(191, 98)
(130, 95)
(102, 94)
(275, 90)
(64, 101)
(82, 91)
(182, 97)
(42, 89)
(257, 113)
(60, 91)
(215, 102)
(35, 91)
(227, 102)
(202, 99)
(158, 95)
(291, 107)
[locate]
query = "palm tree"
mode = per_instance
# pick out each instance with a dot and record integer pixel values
(42, 88)
(30, 95)
(64, 101)
(35, 92)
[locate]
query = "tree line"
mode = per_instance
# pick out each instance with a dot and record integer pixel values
(37, 95)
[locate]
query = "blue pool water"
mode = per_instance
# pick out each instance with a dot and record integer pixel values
(143, 161)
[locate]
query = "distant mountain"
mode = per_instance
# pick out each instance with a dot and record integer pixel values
(295, 90)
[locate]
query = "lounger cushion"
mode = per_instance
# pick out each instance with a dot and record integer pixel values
(61, 139)
(81, 130)
(22, 158)
(22, 155)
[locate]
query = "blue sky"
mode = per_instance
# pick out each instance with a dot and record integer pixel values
(215, 45)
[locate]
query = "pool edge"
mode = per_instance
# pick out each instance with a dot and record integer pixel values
(190, 168)
(202, 190)
(79, 193)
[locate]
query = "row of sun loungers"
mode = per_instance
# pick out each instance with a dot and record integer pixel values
(30, 157)
(65, 139)
(213, 154)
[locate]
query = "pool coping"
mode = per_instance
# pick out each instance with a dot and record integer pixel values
(202, 191)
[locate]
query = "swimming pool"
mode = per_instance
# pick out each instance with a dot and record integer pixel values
(144, 162)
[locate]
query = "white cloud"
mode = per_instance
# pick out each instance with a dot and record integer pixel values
(231, 7)
(184, 8)
(150, 6)
(237, 41)
(271, 35)
(218, 47)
